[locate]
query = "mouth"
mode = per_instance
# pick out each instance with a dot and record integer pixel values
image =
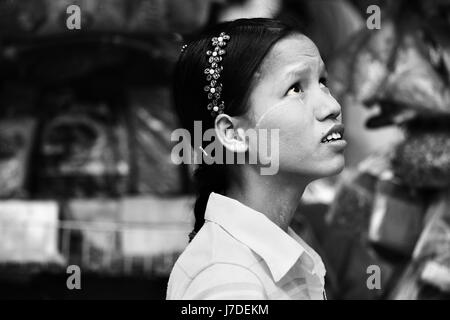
(336, 133)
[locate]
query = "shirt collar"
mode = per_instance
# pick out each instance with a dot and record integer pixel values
(280, 250)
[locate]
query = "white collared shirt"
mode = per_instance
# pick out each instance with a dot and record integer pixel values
(240, 254)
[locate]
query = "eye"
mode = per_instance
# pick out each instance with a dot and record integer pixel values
(323, 82)
(294, 89)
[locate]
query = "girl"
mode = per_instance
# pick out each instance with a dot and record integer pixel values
(238, 76)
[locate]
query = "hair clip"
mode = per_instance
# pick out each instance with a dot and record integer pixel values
(183, 48)
(214, 87)
(203, 150)
(192, 235)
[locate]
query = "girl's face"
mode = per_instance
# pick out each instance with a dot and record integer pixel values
(290, 94)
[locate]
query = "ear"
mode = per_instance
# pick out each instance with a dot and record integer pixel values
(232, 137)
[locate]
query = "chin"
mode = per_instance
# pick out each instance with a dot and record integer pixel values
(333, 167)
(322, 169)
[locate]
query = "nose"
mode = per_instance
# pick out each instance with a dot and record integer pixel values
(327, 107)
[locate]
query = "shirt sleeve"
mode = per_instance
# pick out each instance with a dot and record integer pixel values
(225, 282)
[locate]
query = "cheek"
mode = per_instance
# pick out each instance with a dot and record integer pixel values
(296, 132)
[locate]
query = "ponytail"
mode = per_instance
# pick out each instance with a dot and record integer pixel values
(208, 178)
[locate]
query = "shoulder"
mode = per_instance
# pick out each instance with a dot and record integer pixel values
(212, 260)
(224, 281)
(215, 245)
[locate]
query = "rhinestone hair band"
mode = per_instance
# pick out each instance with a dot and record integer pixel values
(214, 87)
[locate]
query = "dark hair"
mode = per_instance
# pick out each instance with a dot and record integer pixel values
(251, 40)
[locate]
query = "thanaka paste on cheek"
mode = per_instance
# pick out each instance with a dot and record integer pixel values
(275, 117)
(271, 110)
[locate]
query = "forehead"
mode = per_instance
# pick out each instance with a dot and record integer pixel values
(290, 52)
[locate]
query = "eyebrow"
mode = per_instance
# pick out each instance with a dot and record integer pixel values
(299, 70)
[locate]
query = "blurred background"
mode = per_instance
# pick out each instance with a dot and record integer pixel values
(86, 115)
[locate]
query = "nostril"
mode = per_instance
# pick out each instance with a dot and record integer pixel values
(334, 113)
(336, 109)
(327, 108)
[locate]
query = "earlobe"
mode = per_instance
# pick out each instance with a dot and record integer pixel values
(231, 137)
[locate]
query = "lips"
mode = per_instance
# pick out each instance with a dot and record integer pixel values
(335, 133)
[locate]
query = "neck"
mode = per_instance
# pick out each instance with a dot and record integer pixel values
(276, 196)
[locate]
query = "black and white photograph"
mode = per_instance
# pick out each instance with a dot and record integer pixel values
(189, 150)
